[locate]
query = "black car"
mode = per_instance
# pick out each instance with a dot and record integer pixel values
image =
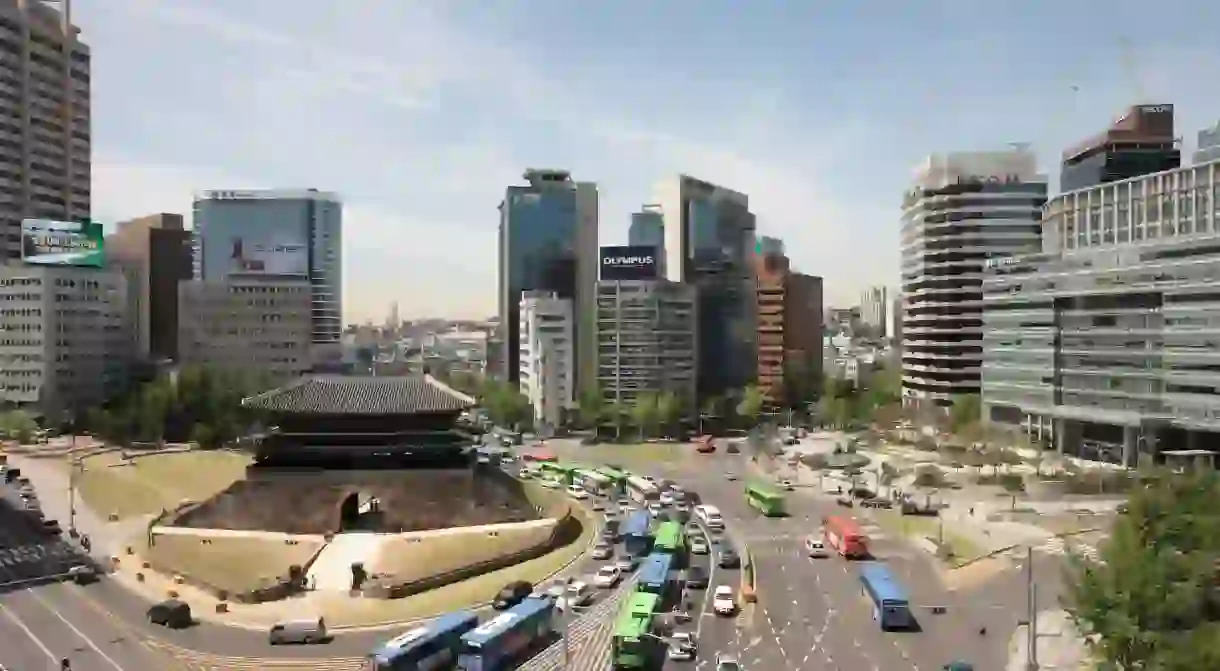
(512, 594)
(171, 613)
(728, 558)
(696, 577)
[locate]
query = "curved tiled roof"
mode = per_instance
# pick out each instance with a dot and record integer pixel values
(361, 395)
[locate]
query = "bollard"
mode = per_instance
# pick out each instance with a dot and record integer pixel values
(222, 607)
(173, 593)
(139, 577)
(114, 561)
(113, 517)
(145, 565)
(179, 580)
(130, 551)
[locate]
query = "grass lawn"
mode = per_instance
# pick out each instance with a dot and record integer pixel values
(961, 545)
(229, 563)
(145, 485)
(628, 455)
(407, 560)
(1065, 523)
(480, 589)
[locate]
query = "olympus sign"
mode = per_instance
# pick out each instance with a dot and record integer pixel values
(628, 260)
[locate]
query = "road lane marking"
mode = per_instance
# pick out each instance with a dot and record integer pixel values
(88, 641)
(21, 625)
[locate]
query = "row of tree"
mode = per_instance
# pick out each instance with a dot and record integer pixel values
(197, 404)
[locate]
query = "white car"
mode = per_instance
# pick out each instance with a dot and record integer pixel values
(577, 493)
(607, 577)
(723, 601)
(681, 647)
(551, 484)
(726, 663)
(816, 548)
(698, 546)
(667, 499)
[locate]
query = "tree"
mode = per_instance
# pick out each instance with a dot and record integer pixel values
(966, 410)
(18, 425)
(644, 413)
(669, 412)
(751, 404)
(1153, 601)
(591, 408)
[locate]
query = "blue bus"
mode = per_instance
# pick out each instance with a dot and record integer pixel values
(434, 645)
(501, 642)
(654, 574)
(637, 534)
(890, 605)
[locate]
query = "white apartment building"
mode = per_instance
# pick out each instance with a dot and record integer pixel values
(963, 209)
(44, 119)
(258, 325)
(874, 310)
(64, 346)
(547, 365)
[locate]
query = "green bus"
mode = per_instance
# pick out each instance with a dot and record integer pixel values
(766, 500)
(618, 477)
(633, 629)
(669, 538)
(553, 471)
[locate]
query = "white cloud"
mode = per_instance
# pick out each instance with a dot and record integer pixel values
(430, 243)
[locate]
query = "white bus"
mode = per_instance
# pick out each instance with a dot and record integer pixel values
(594, 482)
(641, 490)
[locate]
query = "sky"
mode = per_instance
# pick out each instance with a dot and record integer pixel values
(420, 112)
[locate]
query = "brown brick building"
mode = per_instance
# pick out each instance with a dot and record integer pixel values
(154, 253)
(789, 323)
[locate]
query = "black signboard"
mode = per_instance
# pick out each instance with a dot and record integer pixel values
(630, 263)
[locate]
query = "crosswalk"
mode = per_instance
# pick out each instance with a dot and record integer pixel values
(588, 639)
(194, 660)
(26, 554)
(1058, 546)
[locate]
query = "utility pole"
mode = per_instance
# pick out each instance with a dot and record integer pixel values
(567, 651)
(1031, 631)
(74, 466)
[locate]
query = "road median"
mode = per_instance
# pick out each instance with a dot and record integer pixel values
(749, 592)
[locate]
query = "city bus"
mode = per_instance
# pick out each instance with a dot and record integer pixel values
(505, 640)
(891, 609)
(845, 536)
(654, 574)
(616, 476)
(669, 538)
(636, 533)
(594, 482)
(765, 500)
(434, 645)
(556, 471)
(641, 490)
(633, 631)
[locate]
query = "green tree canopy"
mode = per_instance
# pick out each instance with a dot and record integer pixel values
(1153, 601)
(966, 410)
(751, 404)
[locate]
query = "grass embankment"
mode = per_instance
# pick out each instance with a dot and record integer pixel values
(234, 564)
(108, 484)
(955, 547)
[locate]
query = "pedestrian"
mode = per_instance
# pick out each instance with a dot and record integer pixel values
(65, 664)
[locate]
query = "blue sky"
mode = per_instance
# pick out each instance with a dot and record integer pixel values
(420, 112)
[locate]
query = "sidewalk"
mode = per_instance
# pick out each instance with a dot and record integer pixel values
(1059, 645)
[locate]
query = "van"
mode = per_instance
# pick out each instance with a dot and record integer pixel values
(310, 630)
(171, 613)
(579, 593)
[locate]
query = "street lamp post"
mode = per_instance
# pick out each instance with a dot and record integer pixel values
(1032, 612)
(76, 466)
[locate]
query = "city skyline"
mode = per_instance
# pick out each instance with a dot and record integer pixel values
(312, 105)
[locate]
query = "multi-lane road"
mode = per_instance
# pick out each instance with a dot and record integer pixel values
(811, 613)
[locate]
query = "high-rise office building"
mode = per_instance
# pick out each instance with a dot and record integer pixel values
(964, 209)
(1139, 142)
(875, 311)
(1208, 147)
(548, 243)
(156, 253)
(789, 323)
(647, 341)
(547, 374)
(1104, 344)
(289, 234)
(44, 119)
(709, 243)
(647, 228)
(66, 346)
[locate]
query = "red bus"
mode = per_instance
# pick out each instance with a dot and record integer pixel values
(844, 535)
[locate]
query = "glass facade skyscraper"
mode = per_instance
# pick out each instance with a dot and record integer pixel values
(288, 233)
(709, 243)
(647, 228)
(548, 243)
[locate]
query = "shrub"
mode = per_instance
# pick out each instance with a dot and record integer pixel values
(1099, 482)
(927, 475)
